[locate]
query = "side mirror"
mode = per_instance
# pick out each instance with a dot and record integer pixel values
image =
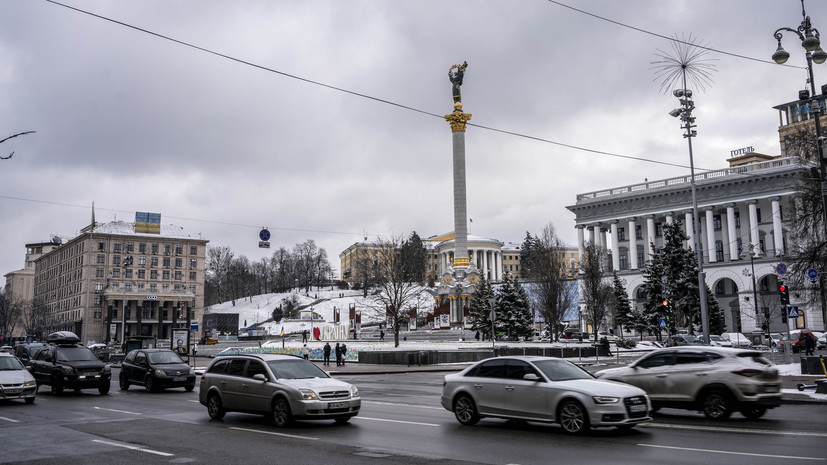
(532, 377)
(260, 377)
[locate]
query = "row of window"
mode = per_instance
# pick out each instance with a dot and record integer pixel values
(129, 247)
(153, 261)
(716, 225)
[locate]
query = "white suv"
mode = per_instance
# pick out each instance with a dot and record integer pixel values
(714, 380)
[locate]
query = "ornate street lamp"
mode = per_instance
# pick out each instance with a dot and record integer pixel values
(810, 40)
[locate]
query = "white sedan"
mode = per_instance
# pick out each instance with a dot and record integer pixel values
(542, 389)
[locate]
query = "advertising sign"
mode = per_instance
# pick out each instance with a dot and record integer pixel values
(179, 341)
(306, 315)
(444, 320)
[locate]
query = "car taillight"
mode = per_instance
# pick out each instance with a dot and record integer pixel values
(203, 376)
(749, 372)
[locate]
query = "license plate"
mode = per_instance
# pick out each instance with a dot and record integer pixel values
(179, 378)
(90, 374)
(12, 391)
(772, 389)
(637, 408)
(332, 405)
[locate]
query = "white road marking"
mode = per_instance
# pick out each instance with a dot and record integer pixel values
(274, 434)
(10, 420)
(750, 454)
(401, 404)
(131, 447)
(396, 421)
(722, 429)
(118, 411)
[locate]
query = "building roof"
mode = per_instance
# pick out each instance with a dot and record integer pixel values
(123, 228)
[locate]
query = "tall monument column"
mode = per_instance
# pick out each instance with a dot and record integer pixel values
(457, 119)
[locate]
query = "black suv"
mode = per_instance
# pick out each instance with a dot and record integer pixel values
(65, 364)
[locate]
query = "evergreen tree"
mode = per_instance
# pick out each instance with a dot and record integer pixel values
(414, 258)
(481, 309)
(528, 253)
(622, 307)
(513, 312)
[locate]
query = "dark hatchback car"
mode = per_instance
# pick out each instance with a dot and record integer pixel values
(156, 369)
(25, 352)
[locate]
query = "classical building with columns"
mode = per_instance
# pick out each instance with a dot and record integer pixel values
(742, 210)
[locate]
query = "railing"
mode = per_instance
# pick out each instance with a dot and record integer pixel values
(685, 180)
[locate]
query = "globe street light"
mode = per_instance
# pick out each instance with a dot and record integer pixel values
(810, 40)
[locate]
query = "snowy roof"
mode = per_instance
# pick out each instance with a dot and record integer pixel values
(128, 229)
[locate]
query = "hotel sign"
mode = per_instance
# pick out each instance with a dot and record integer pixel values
(742, 151)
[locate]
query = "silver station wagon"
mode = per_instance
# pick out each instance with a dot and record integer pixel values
(284, 387)
(542, 389)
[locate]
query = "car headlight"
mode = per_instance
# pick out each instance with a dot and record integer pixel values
(308, 394)
(192, 370)
(605, 400)
(354, 391)
(68, 370)
(160, 373)
(30, 383)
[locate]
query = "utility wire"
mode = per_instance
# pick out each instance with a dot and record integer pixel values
(358, 94)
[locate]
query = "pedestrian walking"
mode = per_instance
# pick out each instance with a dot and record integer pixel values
(809, 343)
(338, 355)
(381, 334)
(304, 336)
(344, 353)
(477, 336)
(326, 351)
(305, 352)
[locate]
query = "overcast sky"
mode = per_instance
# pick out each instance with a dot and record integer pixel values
(134, 122)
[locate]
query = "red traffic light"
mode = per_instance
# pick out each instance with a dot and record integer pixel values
(665, 303)
(782, 288)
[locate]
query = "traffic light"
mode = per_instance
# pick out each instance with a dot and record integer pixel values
(784, 293)
(667, 313)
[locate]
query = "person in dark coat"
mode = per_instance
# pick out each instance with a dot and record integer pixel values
(809, 343)
(344, 353)
(338, 355)
(326, 351)
(304, 336)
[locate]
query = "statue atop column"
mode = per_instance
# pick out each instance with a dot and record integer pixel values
(455, 74)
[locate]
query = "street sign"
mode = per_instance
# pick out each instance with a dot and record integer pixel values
(263, 245)
(781, 268)
(792, 312)
(264, 234)
(812, 273)
(662, 322)
(194, 326)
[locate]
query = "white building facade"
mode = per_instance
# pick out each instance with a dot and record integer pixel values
(741, 212)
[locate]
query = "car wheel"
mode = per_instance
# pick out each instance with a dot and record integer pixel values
(214, 407)
(466, 410)
(754, 413)
(123, 383)
(56, 387)
(29, 400)
(189, 387)
(103, 388)
(573, 418)
(716, 405)
(281, 412)
(149, 385)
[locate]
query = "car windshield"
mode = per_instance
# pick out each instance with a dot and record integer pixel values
(716, 338)
(295, 369)
(160, 358)
(75, 354)
(561, 370)
(10, 363)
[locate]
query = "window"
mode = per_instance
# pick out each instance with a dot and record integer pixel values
(97, 314)
(167, 249)
(684, 358)
(192, 275)
(640, 259)
(116, 272)
(141, 274)
(98, 286)
(236, 367)
(153, 287)
(153, 261)
(719, 251)
(166, 274)
(142, 247)
(758, 214)
(140, 285)
(716, 222)
(141, 260)
(99, 272)
(656, 361)
(179, 249)
(166, 262)
(624, 261)
(256, 368)
(153, 274)
(179, 262)
(101, 258)
(516, 369)
(193, 250)
(165, 287)
(490, 369)
(658, 229)
(98, 300)
(178, 275)
(638, 231)
(101, 246)
(193, 263)
(116, 259)
(621, 234)
(116, 247)
(155, 248)
(128, 273)
(737, 219)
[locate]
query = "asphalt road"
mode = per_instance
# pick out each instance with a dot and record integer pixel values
(401, 423)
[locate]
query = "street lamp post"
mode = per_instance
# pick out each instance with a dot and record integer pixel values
(126, 262)
(810, 40)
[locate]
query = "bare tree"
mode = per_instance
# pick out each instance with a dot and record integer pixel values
(12, 137)
(545, 267)
(10, 314)
(397, 293)
(597, 290)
